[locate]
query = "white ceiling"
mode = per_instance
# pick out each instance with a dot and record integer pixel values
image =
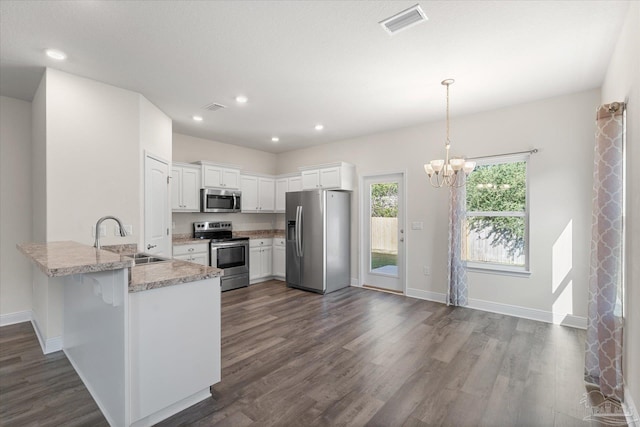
(307, 62)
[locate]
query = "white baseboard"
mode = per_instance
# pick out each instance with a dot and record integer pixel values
(50, 345)
(426, 295)
(172, 409)
(630, 409)
(510, 310)
(13, 318)
(529, 313)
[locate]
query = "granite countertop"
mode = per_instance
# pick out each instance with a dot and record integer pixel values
(174, 272)
(57, 259)
(66, 258)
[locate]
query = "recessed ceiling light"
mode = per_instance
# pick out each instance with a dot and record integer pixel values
(319, 126)
(275, 139)
(241, 99)
(197, 118)
(58, 55)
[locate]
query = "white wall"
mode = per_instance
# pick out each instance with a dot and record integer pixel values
(92, 158)
(560, 194)
(622, 83)
(189, 149)
(155, 139)
(89, 140)
(40, 290)
(15, 205)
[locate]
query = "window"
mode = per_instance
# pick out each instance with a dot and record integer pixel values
(496, 229)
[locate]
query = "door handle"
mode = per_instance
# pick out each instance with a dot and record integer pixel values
(299, 231)
(150, 246)
(402, 239)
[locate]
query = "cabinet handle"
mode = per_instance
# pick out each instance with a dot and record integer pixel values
(150, 246)
(190, 249)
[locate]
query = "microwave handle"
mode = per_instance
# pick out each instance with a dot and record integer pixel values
(235, 202)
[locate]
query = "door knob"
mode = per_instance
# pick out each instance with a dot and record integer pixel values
(150, 246)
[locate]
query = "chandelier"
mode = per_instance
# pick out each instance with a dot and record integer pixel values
(448, 171)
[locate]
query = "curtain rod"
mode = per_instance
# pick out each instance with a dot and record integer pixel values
(533, 151)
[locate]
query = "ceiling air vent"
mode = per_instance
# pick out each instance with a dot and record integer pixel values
(214, 107)
(403, 20)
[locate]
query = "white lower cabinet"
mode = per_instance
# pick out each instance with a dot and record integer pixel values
(260, 259)
(174, 348)
(279, 258)
(197, 253)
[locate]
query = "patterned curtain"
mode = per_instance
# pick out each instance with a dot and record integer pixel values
(457, 272)
(603, 359)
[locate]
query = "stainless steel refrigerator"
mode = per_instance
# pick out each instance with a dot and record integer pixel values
(318, 240)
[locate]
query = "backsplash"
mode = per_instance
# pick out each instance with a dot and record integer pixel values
(241, 221)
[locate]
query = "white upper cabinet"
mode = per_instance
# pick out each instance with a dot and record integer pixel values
(220, 176)
(295, 183)
(185, 188)
(266, 194)
(258, 194)
(283, 186)
(335, 176)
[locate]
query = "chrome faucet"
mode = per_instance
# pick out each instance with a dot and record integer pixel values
(122, 230)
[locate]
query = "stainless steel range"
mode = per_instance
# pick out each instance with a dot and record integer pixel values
(227, 252)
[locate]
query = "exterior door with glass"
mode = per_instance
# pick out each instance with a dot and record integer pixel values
(382, 257)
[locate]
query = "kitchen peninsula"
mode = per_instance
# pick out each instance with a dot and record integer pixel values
(145, 339)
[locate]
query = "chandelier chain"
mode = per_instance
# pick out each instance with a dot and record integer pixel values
(448, 171)
(448, 140)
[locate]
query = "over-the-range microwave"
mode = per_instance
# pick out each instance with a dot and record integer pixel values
(218, 200)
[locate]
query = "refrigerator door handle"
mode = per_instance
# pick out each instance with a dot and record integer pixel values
(299, 231)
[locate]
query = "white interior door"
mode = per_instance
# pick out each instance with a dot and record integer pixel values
(157, 240)
(382, 257)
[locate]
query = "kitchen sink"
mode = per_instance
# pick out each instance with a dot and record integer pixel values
(142, 258)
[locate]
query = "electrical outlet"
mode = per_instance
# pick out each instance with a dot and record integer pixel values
(103, 230)
(127, 227)
(173, 225)
(416, 225)
(426, 270)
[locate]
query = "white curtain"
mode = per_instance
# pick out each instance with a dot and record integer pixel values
(457, 273)
(603, 356)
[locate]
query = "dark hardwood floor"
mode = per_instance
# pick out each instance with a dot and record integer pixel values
(354, 357)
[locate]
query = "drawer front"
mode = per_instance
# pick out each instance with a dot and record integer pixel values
(256, 243)
(190, 249)
(278, 241)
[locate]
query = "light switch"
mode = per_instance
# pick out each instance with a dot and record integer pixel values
(127, 227)
(416, 225)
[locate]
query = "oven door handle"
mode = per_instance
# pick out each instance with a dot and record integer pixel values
(213, 258)
(299, 231)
